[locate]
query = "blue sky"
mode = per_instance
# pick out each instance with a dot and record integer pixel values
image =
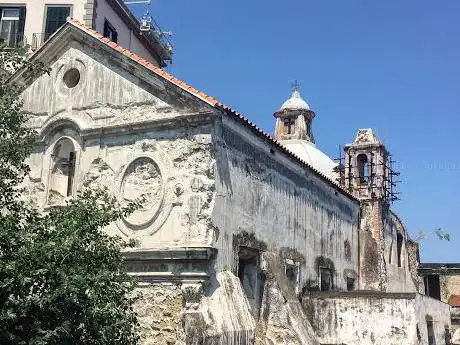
(393, 65)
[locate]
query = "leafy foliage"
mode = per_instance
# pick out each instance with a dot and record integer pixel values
(61, 278)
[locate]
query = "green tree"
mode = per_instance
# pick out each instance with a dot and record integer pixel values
(61, 278)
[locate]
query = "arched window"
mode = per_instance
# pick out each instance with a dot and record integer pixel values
(289, 125)
(62, 171)
(363, 168)
(399, 242)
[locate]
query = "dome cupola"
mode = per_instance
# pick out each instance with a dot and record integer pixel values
(294, 118)
(294, 132)
(295, 102)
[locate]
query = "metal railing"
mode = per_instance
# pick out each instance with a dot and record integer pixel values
(163, 38)
(11, 40)
(38, 39)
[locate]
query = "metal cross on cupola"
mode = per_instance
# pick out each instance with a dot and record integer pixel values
(296, 85)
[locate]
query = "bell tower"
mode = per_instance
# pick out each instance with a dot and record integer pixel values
(367, 170)
(367, 174)
(294, 118)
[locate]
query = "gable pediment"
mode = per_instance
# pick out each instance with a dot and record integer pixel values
(96, 86)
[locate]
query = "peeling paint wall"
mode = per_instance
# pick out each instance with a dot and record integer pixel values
(282, 205)
(375, 318)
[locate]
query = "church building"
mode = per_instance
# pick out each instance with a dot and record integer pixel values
(243, 237)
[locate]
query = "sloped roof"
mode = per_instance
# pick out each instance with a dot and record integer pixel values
(201, 95)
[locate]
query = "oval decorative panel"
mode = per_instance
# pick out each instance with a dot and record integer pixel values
(142, 181)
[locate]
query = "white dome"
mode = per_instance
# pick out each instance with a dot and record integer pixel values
(296, 102)
(308, 152)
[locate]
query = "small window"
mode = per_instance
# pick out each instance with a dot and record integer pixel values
(325, 279)
(63, 172)
(71, 78)
(110, 32)
(289, 126)
(363, 168)
(292, 273)
(251, 277)
(390, 255)
(350, 284)
(432, 286)
(447, 335)
(430, 329)
(399, 243)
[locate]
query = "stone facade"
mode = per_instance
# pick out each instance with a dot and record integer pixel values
(234, 231)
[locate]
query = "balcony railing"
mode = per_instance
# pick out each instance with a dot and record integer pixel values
(11, 40)
(38, 39)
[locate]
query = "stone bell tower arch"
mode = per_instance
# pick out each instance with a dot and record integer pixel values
(367, 174)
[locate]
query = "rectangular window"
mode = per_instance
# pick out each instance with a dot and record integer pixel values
(251, 276)
(325, 279)
(350, 284)
(12, 25)
(430, 330)
(432, 286)
(292, 273)
(56, 16)
(110, 32)
(289, 126)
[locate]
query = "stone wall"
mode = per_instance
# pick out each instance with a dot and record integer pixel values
(159, 310)
(367, 318)
(380, 268)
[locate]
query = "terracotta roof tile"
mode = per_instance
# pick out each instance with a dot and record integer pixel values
(209, 99)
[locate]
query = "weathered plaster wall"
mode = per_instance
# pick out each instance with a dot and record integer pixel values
(400, 279)
(439, 312)
(375, 318)
(379, 264)
(282, 206)
(132, 137)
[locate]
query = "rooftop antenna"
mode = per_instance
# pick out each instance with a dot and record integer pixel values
(137, 2)
(146, 22)
(148, 26)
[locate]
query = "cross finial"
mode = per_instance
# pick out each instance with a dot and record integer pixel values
(295, 85)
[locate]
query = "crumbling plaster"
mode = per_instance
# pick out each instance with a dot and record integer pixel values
(130, 137)
(379, 267)
(373, 318)
(266, 194)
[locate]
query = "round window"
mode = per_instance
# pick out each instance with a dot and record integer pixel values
(72, 78)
